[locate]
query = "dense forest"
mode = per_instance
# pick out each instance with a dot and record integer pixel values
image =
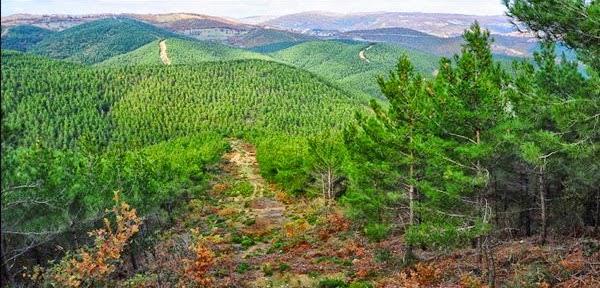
(265, 168)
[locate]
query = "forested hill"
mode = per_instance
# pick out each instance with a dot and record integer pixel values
(23, 37)
(182, 51)
(99, 40)
(144, 105)
(355, 65)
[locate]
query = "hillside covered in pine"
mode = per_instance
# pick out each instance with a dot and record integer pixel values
(185, 150)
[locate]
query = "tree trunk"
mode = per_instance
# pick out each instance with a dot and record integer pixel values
(479, 207)
(525, 213)
(329, 183)
(7, 278)
(491, 266)
(133, 261)
(409, 256)
(323, 190)
(597, 220)
(542, 192)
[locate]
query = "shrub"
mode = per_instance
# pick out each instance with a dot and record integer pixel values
(284, 267)
(360, 284)
(242, 267)
(267, 269)
(376, 231)
(332, 283)
(91, 266)
(197, 270)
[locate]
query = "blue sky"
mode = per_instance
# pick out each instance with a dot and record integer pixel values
(244, 8)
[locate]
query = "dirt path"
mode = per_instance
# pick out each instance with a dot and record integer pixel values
(5, 32)
(268, 213)
(262, 205)
(164, 56)
(243, 156)
(362, 55)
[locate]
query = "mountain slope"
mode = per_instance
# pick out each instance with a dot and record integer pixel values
(182, 51)
(261, 37)
(99, 40)
(23, 37)
(145, 105)
(354, 65)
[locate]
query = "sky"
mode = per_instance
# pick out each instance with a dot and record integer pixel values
(246, 8)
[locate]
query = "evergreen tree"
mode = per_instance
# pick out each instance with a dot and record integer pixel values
(575, 23)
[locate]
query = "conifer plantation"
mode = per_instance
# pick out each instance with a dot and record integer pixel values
(300, 164)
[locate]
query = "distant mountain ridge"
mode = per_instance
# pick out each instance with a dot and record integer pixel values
(198, 26)
(442, 25)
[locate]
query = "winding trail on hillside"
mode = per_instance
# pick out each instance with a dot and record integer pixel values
(5, 32)
(362, 55)
(164, 56)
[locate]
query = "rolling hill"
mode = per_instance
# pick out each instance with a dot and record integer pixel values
(262, 37)
(341, 61)
(99, 40)
(147, 104)
(23, 37)
(182, 51)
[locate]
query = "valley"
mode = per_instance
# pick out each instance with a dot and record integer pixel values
(310, 149)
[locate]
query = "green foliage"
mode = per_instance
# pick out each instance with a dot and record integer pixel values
(360, 284)
(574, 22)
(376, 231)
(267, 269)
(265, 36)
(96, 41)
(240, 188)
(136, 106)
(332, 283)
(285, 160)
(181, 51)
(242, 267)
(274, 47)
(434, 140)
(339, 62)
(23, 37)
(72, 134)
(284, 267)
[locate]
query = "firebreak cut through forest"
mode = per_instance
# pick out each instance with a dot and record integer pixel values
(138, 155)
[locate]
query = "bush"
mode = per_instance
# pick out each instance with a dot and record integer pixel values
(285, 161)
(332, 283)
(284, 267)
(361, 284)
(376, 231)
(267, 269)
(242, 268)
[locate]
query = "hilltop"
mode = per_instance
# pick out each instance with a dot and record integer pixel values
(182, 51)
(23, 37)
(350, 63)
(99, 40)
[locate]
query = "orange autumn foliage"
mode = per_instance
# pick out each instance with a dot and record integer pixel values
(95, 264)
(422, 275)
(197, 270)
